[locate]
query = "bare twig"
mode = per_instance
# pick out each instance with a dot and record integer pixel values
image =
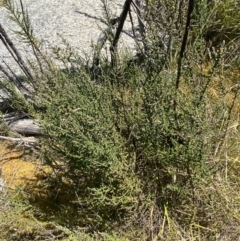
(14, 52)
(184, 41)
(100, 43)
(5, 72)
(122, 19)
(138, 6)
(28, 140)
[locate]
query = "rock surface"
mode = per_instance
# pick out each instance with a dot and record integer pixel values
(79, 22)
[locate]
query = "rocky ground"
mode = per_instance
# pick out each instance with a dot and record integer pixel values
(79, 22)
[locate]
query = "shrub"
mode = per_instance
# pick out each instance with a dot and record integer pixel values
(136, 146)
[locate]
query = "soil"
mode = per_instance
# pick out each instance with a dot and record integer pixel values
(15, 171)
(31, 181)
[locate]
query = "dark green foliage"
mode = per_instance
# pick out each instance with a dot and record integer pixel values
(130, 136)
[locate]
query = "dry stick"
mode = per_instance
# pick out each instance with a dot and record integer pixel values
(122, 19)
(142, 27)
(5, 70)
(184, 41)
(181, 54)
(22, 124)
(103, 38)
(12, 50)
(132, 24)
(11, 71)
(38, 59)
(100, 43)
(137, 5)
(17, 79)
(2, 69)
(138, 55)
(29, 140)
(7, 46)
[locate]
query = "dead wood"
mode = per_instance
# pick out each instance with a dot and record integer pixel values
(22, 124)
(22, 140)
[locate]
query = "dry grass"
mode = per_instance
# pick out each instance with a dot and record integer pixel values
(25, 196)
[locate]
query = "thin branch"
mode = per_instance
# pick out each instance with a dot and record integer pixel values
(14, 52)
(137, 7)
(100, 43)
(5, 72)
(28, 140)
(122, 19)
(184, 41)
(132, 25)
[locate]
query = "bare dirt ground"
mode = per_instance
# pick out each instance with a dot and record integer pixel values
(15, 170)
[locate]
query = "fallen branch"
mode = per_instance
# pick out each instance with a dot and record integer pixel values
(22, 124)
(26, 140)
